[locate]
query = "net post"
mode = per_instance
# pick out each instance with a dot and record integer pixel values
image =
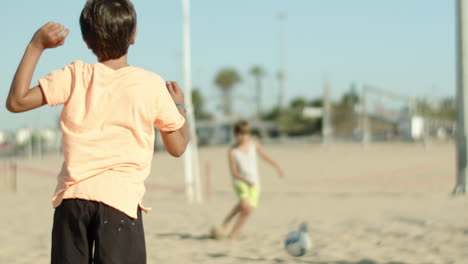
(189, 184)
(366, 130)
(462, 96)
(192, 168)
(208, 190)
(327, 129)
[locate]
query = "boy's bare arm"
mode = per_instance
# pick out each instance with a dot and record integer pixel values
(233, 167)
(21, 98)
(176, 141)
(268, 159)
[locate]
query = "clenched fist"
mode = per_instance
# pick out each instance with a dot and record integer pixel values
(50, 36)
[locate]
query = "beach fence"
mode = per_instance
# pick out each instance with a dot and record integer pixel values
(10, 171)
(9, 176)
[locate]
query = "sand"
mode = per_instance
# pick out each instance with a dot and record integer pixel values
(388, 204)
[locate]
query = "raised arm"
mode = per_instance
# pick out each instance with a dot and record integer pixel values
(268, 159)
(21, 98)
(234, 172)
(176, 141)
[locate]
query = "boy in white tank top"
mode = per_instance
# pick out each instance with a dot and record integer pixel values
(245, 178)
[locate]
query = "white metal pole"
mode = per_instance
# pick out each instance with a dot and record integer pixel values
(462, 95)
(29, 148)
(192, 169)
(326, 122)
(366, 130)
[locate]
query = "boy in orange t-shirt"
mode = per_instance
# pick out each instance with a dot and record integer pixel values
(109, 112)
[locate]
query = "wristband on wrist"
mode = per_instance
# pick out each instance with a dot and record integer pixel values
(183, 106)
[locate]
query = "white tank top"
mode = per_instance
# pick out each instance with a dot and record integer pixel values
(246, 163)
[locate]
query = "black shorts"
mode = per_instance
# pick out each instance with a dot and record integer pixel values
(92, 232)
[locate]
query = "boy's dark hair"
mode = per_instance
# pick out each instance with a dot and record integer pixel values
(241, 127)
(108, 27)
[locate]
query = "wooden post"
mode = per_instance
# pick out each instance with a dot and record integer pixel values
(13, 176)
(208, 180)
(5, 172)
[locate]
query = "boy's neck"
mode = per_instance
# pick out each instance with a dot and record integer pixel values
(116, 64)
(245, 143)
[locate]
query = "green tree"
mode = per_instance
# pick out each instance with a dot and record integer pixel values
(445, 109)
(273, 115)
(258, 73)
(298, 104)
(344, 109)
(448, 109)
(317, 102)
(351, 98)
(226, 79)
(290, 119)
(281, 100)
(198, 102)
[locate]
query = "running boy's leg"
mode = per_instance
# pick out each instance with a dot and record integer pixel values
(245, 211)
(119, 238)
(231, 215)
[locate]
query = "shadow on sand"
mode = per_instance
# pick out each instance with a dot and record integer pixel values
(187, 236)
(184, 236)
(364, 261)
(300, 261)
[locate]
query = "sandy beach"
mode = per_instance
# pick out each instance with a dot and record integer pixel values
(389, 203)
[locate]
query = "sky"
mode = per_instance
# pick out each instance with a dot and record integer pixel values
(407, 47)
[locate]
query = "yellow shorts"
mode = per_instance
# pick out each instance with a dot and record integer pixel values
(244, 191)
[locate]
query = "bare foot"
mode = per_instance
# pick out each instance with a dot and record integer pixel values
(217, 233)
(224, 229)
(233, 237)
(236, 237)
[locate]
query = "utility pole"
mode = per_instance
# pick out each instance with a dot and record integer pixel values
(258, 97)
(462, 95)
(282, 73)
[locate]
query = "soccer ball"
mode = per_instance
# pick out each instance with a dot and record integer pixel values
(298, 242)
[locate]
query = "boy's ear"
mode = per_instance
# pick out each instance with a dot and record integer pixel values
(132, 42)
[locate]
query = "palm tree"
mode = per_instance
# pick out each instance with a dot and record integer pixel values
(258, 73)
(226, 79)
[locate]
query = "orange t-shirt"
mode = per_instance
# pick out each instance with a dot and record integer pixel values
(107, 125)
